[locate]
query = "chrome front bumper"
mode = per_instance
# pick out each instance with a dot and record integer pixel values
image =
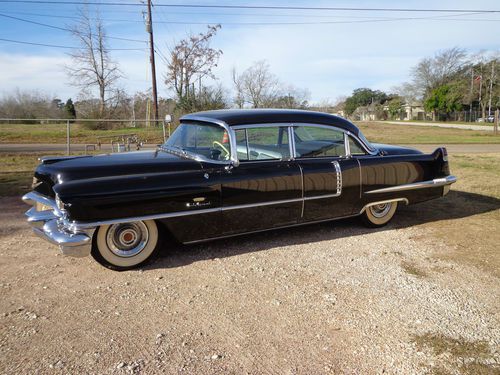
(51, 225)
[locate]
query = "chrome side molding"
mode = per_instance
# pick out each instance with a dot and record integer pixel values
(448, 180)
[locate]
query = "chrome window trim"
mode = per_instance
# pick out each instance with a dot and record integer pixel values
(269, 125)
(347, 146)
(232, 135)
(263, 125)
(330, 127)
(291, 138)
(230, 132)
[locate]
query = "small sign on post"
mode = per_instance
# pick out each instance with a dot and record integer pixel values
(168, 120)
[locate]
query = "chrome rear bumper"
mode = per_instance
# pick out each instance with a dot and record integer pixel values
(51, 225)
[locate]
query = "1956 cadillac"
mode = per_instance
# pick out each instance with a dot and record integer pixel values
(224, 173)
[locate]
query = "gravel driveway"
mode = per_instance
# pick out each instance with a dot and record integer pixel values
(329, 298)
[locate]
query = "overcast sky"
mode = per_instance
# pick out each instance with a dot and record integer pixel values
(365, 49)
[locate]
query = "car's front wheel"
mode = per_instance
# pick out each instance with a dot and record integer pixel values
(126, 245)
(378, 215)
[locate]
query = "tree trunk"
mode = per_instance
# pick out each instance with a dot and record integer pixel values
(102, 98)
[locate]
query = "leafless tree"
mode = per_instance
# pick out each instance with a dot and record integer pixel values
(256, 86)
(30, 105)
(92, 66)
(239, 98)
(191, 60)
(444, 67)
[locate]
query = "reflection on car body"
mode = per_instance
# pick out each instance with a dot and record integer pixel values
(224, 173)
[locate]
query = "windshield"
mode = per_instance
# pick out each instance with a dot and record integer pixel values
(203, 140)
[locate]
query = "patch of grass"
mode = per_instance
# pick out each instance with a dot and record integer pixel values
(476, 368)
(468, 218)
(17, 170)
(374, 131)
(412, 269)
(15, 183)
(399, 134)
(56, 133)
(475, 351)
(457, 347)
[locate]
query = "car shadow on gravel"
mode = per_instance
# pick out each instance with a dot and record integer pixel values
(456, 205)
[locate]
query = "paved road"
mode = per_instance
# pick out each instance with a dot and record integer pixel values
(488, 128)
(48, 148)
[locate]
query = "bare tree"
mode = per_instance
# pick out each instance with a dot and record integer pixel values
(30, 105)
(257, 86)
(192, 60)
(444, 67)
(92, 66)
(239, 98)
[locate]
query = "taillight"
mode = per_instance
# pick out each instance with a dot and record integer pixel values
(445, 153)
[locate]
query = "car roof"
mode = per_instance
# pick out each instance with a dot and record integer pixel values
(233, 117)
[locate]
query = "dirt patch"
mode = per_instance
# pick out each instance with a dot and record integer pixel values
(330, 298)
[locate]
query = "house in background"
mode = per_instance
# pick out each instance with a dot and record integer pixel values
(408, 111)
(413, 111)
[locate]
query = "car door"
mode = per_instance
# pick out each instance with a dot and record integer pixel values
(265, 190)
(331, 177)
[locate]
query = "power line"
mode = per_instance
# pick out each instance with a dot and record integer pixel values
(263, 23)
(268, 7)
(190, 13)
(66, 47)
(63, 28)
(164, 22)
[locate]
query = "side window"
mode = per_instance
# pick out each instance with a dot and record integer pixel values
(314, 142)
(355, 147)
(265, 143)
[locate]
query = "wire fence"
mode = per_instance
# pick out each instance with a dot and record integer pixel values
(90, 134)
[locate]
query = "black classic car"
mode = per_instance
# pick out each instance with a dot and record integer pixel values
(224, 173)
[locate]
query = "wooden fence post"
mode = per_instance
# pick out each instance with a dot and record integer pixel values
(497, 120)
(68, 144)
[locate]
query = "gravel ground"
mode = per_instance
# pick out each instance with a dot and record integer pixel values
(329, 298)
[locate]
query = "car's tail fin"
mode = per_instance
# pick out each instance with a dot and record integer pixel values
(441, 157)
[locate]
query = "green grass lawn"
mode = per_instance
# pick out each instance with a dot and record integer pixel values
(374, 131)
(56, 133)
(397, 134)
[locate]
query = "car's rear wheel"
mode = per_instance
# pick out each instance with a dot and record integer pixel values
(378, 215)
(126, 245)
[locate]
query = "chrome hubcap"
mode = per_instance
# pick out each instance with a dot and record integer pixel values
(126, 240)
(380, 210)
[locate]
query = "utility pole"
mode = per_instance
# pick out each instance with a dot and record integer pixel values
(471, 92)
(491, 85)
(149, 29)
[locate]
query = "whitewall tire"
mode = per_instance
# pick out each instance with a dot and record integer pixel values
(127, 245)
(378, 215)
